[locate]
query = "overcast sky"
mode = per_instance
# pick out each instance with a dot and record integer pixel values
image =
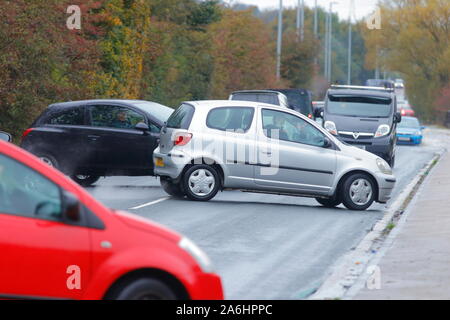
(362, 7)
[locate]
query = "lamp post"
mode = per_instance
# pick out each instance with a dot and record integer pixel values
(279, 40)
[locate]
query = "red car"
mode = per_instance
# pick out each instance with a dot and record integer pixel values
(57, 241)
(406, 109)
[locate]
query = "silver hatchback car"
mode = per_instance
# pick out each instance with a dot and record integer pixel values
(207, 146)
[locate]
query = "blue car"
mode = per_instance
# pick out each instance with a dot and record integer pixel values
(409, 131)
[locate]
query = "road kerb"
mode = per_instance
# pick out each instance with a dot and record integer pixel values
(351, 267)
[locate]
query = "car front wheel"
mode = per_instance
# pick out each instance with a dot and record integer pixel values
(143, 289)
(329, 203)
(172, 189)
(201, 182)
(358, 192)
(83, 180)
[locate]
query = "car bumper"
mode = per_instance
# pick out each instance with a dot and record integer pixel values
(382, 147)
(207, 287)
(169, 165)
(408, 139)
(386, 184)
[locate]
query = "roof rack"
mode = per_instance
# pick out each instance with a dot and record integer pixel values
(335, 86)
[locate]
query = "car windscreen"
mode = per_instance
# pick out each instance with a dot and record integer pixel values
(160, 112)
(257, 97)
(181, 118)
(357, 106)
(409, 123)
(301, 102)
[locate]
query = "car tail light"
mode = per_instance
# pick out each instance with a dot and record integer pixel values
(403, 112)
(26, 132)
(182, 139)
(310, 116)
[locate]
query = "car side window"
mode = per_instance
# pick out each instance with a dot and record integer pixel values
(288, 127)
(234, 119)
(24, 192)
(115, 117)
(74, 117)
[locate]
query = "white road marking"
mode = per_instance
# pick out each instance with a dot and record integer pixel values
(149, 203)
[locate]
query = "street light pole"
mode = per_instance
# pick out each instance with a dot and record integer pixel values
(350, 44)
(316, 25)
(279, 40)
(302, 16)
(330, 41)
(325, 56)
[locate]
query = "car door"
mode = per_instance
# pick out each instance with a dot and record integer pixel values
(291, 155)
(40, 252)
(65, 139)
(120, 147)
(229, 136)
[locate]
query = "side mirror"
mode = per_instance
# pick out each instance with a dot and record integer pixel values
(423, 127)
(142, 127)
(318, 112)
(4, 136)
(71, 207)
(327, 143)
(398, 117)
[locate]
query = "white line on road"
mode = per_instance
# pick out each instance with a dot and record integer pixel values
(149, 203)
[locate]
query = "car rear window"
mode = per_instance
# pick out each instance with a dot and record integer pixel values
(181, 118)
(257, 97)
(235, 118)
(73, 117)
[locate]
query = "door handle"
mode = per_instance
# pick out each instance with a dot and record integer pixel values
(93, 137)
(267, 152)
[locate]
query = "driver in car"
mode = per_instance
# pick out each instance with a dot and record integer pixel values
(121, 121)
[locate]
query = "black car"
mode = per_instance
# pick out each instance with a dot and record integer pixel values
(93, 138)
(299, 100)
(363, 117)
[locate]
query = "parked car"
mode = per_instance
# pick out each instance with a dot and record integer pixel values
(93, 138)
(299, 100)
(279, 151)
(405, 108)
(4, 136)
(365, 117)
(265, 96)
(409, 131)
(58, 242)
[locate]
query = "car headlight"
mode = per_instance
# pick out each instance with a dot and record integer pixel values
(384, 166)
(382, 131)
(330, 126)
(197, 254)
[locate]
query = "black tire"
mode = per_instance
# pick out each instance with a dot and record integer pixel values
(143, 289)
(83, 180)
(329, 203)
(347, 200)
(171, 188)
(211, 172)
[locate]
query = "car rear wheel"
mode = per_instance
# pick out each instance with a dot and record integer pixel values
(358, 192)
(48, 159)
(143, 289)
(201, 182)
(173, 189)
(329, 203)
(84, 180)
